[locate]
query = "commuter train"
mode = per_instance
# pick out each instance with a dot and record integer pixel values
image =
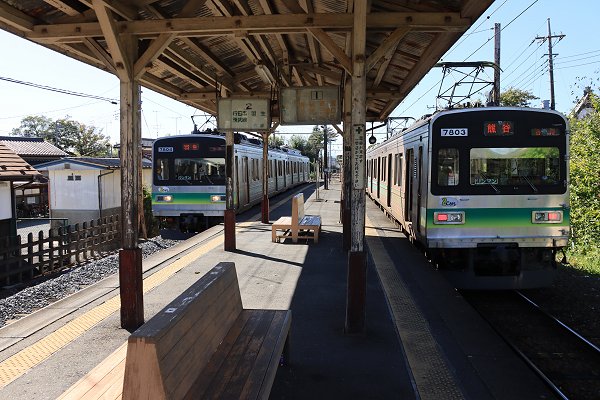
(188, 188)
(484, 191)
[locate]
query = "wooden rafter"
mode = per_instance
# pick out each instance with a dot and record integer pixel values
(62, 6)
(101, 54)
(337, 52)
(155, 49)
(109, 30)
(387, 47)
(15, 18)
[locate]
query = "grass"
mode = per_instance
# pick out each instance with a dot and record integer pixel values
(585, 258)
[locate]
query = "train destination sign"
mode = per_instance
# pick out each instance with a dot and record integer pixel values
(310, 105)
(244, 114)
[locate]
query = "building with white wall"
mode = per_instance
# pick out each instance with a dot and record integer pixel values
(83, 188)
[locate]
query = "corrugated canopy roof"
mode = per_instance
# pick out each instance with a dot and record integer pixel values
(192, 49)
(14, 168)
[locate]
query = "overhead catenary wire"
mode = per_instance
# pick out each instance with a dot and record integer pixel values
(58, 90)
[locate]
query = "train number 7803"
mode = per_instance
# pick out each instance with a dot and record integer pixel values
(455, 132)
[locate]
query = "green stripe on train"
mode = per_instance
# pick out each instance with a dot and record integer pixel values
(496, 217)
(187, 198)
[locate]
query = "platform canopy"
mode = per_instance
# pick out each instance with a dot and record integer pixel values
(195, 50)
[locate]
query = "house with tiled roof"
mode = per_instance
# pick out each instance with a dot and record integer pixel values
(32, 199)
(86, 188)
(33, 150)
(14, 171)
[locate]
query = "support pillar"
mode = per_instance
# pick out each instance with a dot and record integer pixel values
(347, 172)
(265, 176)
(357, 260)
(130, 259)
(229, 216)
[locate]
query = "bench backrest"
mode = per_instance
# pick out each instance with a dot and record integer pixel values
(168, 353)
(297, 208)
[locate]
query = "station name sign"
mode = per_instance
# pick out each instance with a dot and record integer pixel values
(244, 114)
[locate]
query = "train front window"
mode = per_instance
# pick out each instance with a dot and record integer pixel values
(161, 169)
(199, 171)
(448, 167)
(531, 167)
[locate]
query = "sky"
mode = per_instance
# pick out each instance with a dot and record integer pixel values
(523, 61)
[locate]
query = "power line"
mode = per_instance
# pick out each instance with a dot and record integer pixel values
(58, 90)
(504, 27)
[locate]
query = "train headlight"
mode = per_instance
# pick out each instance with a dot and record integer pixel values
(215, 198)
(546, 217)
(164, 198)
(452, 218)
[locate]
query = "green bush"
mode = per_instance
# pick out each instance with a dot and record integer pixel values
(151, 222)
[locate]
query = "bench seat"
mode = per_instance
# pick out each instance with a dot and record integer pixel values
(309, 226)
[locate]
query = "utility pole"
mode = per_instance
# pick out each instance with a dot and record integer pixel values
(550, 62)
(326, 157)
(496, 97)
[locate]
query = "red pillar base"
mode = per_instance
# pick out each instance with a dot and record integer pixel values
(229, 219)
(131, 288)
(357, 292)
(265, 209)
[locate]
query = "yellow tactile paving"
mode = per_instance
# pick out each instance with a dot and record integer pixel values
(430, 370)
(21, 362)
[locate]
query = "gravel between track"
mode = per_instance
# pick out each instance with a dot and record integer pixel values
(41, 292)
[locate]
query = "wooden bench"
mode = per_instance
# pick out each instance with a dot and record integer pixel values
(297, 223)
(202, 345)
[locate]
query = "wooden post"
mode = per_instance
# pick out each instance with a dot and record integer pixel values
(357, 260)
(347, 165)
(229, 217)
(265, 177)
(130, 256)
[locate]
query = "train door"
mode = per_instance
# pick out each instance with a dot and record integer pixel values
(408, 190)
(244, 183)
(389, 180)
(378, 177)
(419, 187)
(237, 182)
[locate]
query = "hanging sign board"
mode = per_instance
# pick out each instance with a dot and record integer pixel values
(310, 105)
(244, 114)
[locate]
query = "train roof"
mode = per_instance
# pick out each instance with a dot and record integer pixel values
(239, 139)
(429, 118)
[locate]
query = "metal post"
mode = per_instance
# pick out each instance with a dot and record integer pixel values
(496, 96)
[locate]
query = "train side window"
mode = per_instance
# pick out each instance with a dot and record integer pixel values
(448, 167)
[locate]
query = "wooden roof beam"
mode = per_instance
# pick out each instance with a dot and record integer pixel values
(100, 54)
(337, 52)
(387, 47)
(16, 18)
(155, 49)
(256, 24)
(110, 31)
(64, 7)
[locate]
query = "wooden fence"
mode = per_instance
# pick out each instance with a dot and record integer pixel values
(60, 248)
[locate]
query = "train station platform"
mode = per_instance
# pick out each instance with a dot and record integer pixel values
(422, 341)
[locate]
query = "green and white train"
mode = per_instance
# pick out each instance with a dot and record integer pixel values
(483, 190)
(188, 189)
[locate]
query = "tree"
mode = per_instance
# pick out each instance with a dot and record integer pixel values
(305, 146)
(516, 98)
(66, 134)
(276, 141)
(585, 168)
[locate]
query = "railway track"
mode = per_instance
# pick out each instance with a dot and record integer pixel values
(568, 363)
